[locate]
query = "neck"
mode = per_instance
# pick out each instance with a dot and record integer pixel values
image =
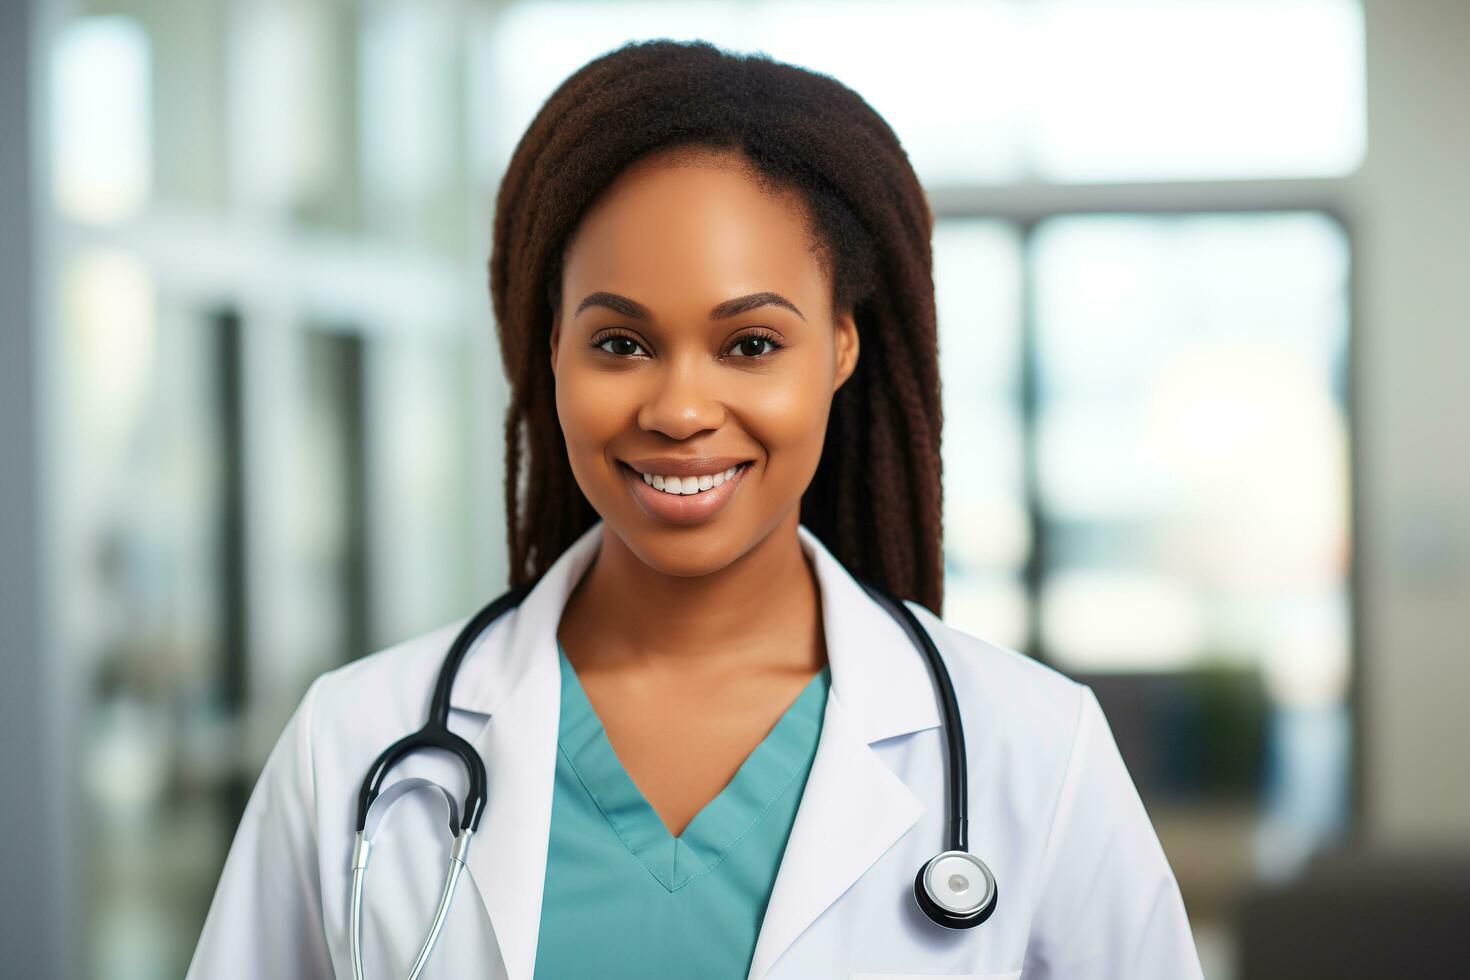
(762, 608)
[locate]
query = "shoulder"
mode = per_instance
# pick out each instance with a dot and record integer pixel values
(386, 691)
(1007, 694)
(1019, 714)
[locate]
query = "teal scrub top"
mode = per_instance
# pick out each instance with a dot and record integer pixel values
(624, 897)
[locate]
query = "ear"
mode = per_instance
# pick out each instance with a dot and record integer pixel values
(555, 340)
(847, 348)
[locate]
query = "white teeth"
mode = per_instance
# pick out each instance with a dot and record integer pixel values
(687, 484)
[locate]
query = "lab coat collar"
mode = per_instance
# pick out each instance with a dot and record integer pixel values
(853, 809)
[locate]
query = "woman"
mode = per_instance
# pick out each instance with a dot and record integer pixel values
(710, 752)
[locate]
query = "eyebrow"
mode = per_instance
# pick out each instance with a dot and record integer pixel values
(721, 311)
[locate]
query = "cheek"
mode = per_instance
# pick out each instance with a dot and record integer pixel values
(790, 421)
(589, 408)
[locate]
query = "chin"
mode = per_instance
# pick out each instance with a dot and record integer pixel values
(682, 551)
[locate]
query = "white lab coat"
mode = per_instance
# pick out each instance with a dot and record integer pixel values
(1084, 888)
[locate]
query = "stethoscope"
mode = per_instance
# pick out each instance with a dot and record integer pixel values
(954, 888)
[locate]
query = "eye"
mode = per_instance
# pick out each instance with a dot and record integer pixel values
(624, 345)
(752, 340)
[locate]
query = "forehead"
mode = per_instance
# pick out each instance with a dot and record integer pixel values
(696, 226)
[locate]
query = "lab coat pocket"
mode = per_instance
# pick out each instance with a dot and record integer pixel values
(405, 879)
(1013, 975)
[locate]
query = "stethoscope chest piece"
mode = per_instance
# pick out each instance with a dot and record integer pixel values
(956, 890)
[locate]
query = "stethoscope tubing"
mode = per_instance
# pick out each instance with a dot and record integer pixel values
(957, 794)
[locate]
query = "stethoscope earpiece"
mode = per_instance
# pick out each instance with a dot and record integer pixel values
(956, 890)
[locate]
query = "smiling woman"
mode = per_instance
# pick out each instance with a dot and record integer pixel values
(705, 742)
(667, 187)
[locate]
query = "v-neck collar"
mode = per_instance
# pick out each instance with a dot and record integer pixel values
(785, 753)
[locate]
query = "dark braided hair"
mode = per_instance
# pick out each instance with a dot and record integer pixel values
(875, 500)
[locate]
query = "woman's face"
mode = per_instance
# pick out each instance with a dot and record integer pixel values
(695, 333)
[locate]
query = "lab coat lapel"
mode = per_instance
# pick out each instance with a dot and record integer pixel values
(515, 678)
(854, 808)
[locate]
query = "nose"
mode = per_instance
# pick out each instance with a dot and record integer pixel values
(683, 401)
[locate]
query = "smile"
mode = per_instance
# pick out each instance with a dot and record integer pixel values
(684, 499)
(688, 484)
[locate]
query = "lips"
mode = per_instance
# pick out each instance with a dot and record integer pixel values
(691, 508)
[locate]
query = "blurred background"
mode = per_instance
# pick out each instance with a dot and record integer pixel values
(1203, 309)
